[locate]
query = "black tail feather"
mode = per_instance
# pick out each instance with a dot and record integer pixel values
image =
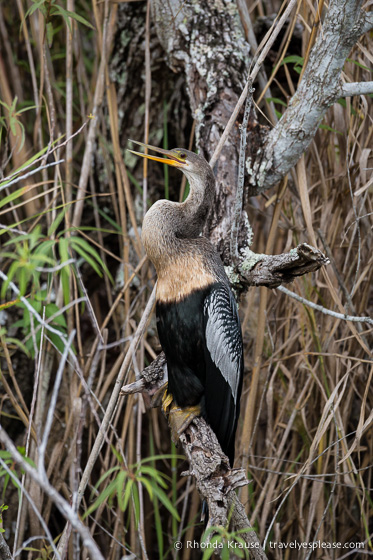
(205, 513)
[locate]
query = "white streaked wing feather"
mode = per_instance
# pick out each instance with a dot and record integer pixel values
(223, 336)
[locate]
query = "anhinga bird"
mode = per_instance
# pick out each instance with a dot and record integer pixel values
(197, 319)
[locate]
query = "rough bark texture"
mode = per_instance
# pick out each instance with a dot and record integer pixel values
(207, 44)
(169, 100)
(274, 270)
(5, 553)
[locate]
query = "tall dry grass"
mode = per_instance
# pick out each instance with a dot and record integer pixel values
(306, 434)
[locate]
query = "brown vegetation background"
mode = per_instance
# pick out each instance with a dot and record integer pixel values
(305, 434)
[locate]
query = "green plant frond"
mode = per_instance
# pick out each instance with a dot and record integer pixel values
(293, 59)
(136, 502)
(66, 14)
(359, 64)
(276, 100)
(63, 249)
(109, 491)
(11, 272)
(126, 495)
(57, 221)
(147, 484)
(65, 281)
(89, 260)
(82, 247)
(246, 530)
(27, 163)
(160, 457)
(155, 474)
(37, 5)
(9, 255)
(162, 496)
(45, 247)
(19, 344)
(105, 476)
(41, 259)
(90, 228)
(13, 196)
(122, 481)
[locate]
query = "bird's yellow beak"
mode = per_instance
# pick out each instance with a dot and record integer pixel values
(170, 159)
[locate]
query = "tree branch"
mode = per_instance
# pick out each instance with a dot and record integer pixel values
(324, 310)
(319, 89)
(5, 553)
(356, 88)
(272, 270)
(367, 22)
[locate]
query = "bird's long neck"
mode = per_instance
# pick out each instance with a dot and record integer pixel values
(168, 224)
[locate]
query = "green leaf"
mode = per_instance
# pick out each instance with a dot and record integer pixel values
(108, 219)
(82, 247)
(293, 59)
(80, 19)
(11, 272)
(49, 29)
(38, 5)
(154, 474)
(123, 504)
(78, 241)
(105, 475)
(165, 501)
(22, 238)
(107, 493)
(65, 281)
(50, 310)
(45, 247)
(89, 260)
(12, 124)
(161, 457)
(66, 14)
(359, 64)
(39, 259)
(276, 100)
(146, 483)
(136, 502)
(326, 127)
(63, 248)
(12, 196)
(121, 488)
(60, 216)
(16, 342)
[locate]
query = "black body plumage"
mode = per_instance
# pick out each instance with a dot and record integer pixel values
(201, 338)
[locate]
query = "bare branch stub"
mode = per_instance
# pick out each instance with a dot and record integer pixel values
(273, 270)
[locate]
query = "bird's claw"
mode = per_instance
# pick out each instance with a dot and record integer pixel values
(167, 401)
(178, 418)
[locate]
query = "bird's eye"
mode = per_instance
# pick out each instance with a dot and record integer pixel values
(182, 155)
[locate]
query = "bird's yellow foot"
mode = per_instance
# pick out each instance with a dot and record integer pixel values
(180, 418)
(167, 401)
(158, 396)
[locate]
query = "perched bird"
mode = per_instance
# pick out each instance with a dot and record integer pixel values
(197, 319)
